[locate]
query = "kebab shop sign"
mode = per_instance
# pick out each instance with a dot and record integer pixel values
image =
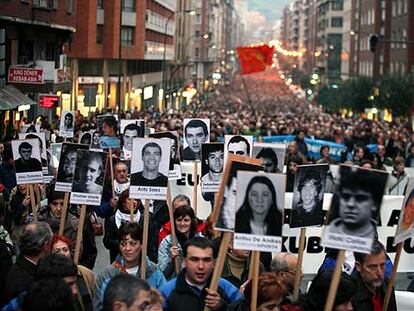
(25, 75)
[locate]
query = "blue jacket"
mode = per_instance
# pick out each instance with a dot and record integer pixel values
(180, 296)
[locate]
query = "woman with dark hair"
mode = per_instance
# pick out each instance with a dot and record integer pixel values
(259, 213)
(185, 224)
(113, 223)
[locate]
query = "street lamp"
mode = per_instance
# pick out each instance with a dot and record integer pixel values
(190, 12)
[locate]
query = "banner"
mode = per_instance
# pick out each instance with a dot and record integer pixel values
(314, 253)
(255, 59)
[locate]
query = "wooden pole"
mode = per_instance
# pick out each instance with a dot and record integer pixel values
(392, 279)
(335, 281)
(173, 235)
(195, 188)
(218, 269)
(255, 280)
(131, 215)
(111, 167)
(33, 203)
(145, 240)
(298, 274)
(79, 234)
(64, 212)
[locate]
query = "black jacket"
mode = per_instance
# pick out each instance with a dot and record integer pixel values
(20, 278)
(227, 275)
(362, 300)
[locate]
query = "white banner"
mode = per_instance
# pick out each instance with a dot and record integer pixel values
(314, 253)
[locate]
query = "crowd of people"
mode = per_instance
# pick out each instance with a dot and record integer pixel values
(38, 271)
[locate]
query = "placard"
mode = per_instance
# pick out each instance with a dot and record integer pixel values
(196, 133)
(175, 163)
(212, 164)
(67, 124)
(130, 129)
(27, 161)
(272, 156)
(108, 132)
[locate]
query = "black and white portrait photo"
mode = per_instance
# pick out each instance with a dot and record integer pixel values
(30, 128)
(212, 164)
(226, 218)
(259, 213)
(355, 208)
(67, 163)
(41, 137)
(108, 132)
(85, 138)
(149, 168)
(130, 129)
(196, 133)
(308, 194)
(67, 124)
(88, 177)
(56, 149)
(95, 143)
(175, 165)
(27, 164)
(272, 156)
(239, 145)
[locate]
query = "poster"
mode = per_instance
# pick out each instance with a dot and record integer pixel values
(67, 124)
(108, 132)
(27, 161)
(271, 155)
(130, 129)
(212, 164)
(196, 133)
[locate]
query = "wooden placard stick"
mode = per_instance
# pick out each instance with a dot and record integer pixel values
(38, 196)
(64, 212)
(145, 240)
(336, 277)
(111, 167)
(298, 274)
(33, 202)
(195, 172)
(392, 278)
(255, 280)
(79, 233)
(173, 235)
(218, 268)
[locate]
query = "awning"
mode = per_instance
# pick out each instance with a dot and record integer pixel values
(11, 98)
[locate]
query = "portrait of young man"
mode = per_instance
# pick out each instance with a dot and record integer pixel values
(89, 172)
(238, 144)
(271, 155)
(196, 133)
(108, 131)
(130, 129)
(67, 124)
(41, 137)
(175, 165)
(149, 168)
(26, 156)
(355, 208)
(212, 156)
(308, 195)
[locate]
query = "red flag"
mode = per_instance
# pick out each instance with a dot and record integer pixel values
(255, 59)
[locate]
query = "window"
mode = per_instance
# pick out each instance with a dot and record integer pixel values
(100, 4)
(54, 4)
(69, 6)
(127, 35)
(40, 3)
(198, 19)
(197, 52)
(99, 34)
(128, 5)
(337, 5)
(336, 22)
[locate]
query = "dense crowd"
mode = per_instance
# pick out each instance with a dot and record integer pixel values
(38, 271)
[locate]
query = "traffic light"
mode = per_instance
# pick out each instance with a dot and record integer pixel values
(373, 40)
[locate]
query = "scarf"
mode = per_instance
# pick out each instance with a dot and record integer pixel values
(120, 217)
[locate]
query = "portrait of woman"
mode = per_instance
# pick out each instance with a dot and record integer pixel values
(259, 213)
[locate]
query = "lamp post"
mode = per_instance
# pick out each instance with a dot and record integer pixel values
(190, 12)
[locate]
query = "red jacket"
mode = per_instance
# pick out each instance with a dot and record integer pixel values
(166, 230)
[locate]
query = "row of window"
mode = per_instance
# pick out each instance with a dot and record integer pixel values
(399, 7)
(127, 5)
(127, 35)
(51, 4)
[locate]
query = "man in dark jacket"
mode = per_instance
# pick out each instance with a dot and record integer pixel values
(35, 244)
(190, 289)
(370, 278)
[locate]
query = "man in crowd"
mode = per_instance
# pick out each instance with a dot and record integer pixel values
(238, 145)
(35, 244)
(300, 140)
(384, 158)
(26, 163)
(358, 155)
(370, 278)
(398, 179)
(131, 131)
(190, 289)
(196, 133)
(127, 292)
(293, 152)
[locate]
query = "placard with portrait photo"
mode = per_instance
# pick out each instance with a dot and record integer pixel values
(225, 218)
(27, 161)
(108, 132)
(238, 144)
(355, 207)
(67, 124)
(56, 149)
(30, 128)
(149, 168)
(271, 155)
(196, 133)
(174, 172)
(212, 165)
(130, 129)
(405, 228)
(308, 193)
(67, 165)
(42, 143)
(89, 177)
(260, 200)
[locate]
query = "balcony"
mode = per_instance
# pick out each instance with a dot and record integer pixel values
(155, 51)
(156, 22)
(169, 4)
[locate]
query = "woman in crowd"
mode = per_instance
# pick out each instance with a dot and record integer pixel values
(185, 228)
(122, 215)
(86, 278)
